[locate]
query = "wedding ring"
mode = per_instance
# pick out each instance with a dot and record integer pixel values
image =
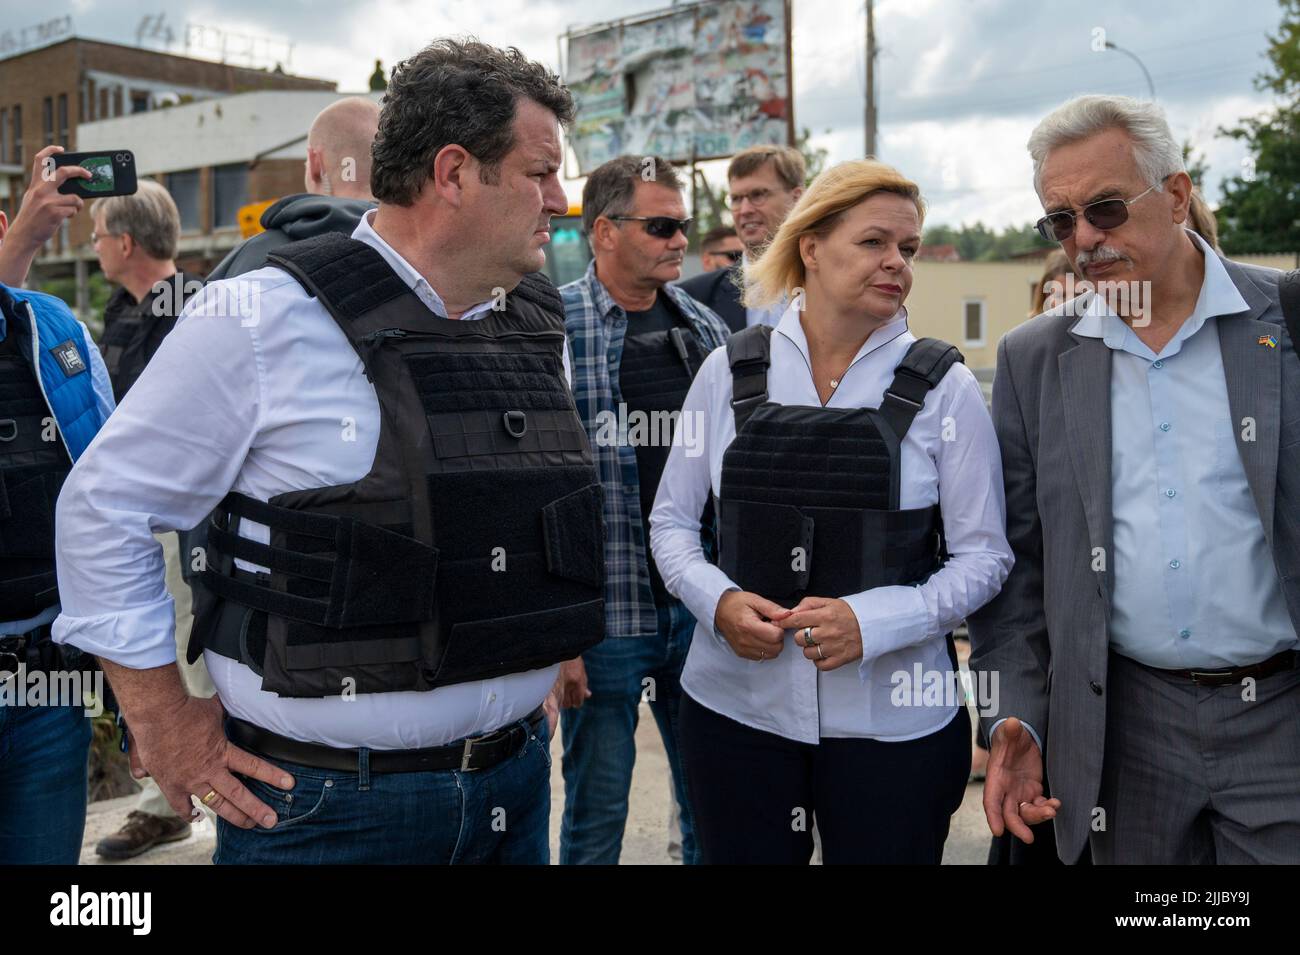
(207, 800)
(820, 652)
(808, 641)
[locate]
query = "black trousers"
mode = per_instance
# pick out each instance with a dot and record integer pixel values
(755, 795)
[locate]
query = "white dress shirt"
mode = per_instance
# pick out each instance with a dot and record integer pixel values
(266, 406)
(901, 625)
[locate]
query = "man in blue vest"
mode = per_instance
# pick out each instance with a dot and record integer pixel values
(54, 397)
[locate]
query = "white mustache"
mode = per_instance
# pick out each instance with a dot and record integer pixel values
(1103, 253)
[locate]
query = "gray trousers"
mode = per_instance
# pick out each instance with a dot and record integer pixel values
(1198, 775)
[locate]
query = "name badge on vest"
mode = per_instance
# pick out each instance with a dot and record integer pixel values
(69, 358)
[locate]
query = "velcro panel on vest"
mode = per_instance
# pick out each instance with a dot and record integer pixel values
(360, 589)
(546, 563)
(573, 532)
(820, 457)
(482, 649)
(785, 553)
(768, 548)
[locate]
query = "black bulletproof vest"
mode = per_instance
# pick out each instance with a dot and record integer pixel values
(473, 547)
(33, 464)
(133, 333)
(654, 375)
(809, 501)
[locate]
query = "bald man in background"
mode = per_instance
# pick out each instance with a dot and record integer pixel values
(336, 177)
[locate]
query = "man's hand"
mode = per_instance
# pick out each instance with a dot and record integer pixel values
(1013, 788)
(836, 636)
(43, 210)
(745, 621)
(180, 742)
(571, 685)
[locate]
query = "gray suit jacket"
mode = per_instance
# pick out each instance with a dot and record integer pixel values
(1051, 409)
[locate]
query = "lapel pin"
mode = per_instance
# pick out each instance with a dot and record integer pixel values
(1268, 340)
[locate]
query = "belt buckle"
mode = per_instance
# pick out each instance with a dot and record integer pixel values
(469, 749)
(1197, 675)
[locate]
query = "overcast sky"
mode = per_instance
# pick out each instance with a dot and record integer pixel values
(960, 82)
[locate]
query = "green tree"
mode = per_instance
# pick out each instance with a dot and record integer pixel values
(1260, 211)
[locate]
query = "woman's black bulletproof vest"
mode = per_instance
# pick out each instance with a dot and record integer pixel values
(33, 465)
(809, 496)
(472, 549)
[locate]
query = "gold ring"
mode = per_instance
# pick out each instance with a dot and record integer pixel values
(207, 800)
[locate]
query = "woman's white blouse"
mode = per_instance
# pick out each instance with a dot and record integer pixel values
(950, 453)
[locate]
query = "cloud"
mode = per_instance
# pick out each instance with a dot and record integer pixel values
(960, 83)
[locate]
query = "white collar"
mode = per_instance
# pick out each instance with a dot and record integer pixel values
(366, 233)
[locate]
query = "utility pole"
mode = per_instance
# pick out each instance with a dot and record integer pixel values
(871, 79)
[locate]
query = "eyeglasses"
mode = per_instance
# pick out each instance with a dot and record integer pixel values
(756, 197)
(1105, 214)
(661, 227)
(728, 254)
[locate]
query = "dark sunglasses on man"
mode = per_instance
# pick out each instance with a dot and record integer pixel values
(731, 255)
(1105, 214)
(661, 227)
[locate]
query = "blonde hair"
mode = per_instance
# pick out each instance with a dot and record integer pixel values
(780, 269)
(1056, 266)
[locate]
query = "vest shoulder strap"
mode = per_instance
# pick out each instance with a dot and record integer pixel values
(348, 276)
(922, 368)
(749, 353)
(1289, 292)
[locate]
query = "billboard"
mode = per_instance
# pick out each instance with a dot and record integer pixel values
(697, 81)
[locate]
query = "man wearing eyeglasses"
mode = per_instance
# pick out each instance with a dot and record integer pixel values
(1150, 434)
(637, 342)
(765, 183)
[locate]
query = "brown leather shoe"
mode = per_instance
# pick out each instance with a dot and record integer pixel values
(141, 833)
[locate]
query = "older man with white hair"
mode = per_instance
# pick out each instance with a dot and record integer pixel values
(1150, 433)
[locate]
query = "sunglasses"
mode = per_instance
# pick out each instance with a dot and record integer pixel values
(661, 227)
(732, 256)
(1106, 214)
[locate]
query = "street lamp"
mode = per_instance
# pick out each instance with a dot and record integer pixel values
(1133, 56)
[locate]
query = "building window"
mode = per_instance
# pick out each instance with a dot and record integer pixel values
(184, 188)
(973, 321)
(139, 102)
(47, 120)
(229, 192)
(18, 135)
(63, 120)
(4, 135)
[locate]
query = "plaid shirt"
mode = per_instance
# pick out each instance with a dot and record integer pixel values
(596, 325)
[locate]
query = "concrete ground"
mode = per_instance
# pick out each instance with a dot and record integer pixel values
(644, 843)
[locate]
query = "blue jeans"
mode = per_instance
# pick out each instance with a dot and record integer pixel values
(499, 815)
(600, 738)
(43, 752)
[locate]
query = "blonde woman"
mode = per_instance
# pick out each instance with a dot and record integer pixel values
(828, 443)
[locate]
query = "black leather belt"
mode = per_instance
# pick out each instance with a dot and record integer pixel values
(474, 752)
(1286, 660)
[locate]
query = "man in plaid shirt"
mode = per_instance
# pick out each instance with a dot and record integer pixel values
(637, 342)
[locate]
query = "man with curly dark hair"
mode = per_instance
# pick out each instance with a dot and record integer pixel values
(407, 538)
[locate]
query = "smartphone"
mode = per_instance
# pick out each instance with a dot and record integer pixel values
(112, 173)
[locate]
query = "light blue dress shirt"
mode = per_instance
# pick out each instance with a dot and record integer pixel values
(1194, 581)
